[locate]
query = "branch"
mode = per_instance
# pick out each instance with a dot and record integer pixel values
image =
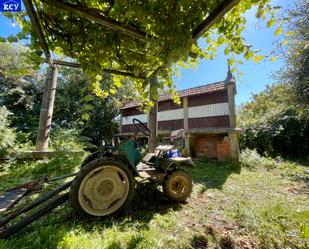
(214, 16)
(95, 16)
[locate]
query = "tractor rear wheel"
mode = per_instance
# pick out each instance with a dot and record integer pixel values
(101, 188)
(177, 186)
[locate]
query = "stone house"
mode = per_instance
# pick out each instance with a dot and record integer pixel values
(206, 113)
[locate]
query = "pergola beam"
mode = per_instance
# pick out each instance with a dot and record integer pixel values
(95, 16)
(37, 29)
(110, 71)
(213, 17)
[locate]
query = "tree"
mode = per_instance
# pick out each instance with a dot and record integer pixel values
(7, 134)
(76, 107)
(273, 125)
(296, 70)
(20, 87)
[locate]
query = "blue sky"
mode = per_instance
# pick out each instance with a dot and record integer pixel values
(256, 76)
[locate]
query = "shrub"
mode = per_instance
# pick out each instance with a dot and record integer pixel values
(69, 140)
(283, 135)
(252, 159)
(7, 134)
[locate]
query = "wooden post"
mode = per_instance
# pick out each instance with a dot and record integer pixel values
(47, 108)
(186, 124)
(231, 104)
(152, 117)
(120, 122)
(231, 91)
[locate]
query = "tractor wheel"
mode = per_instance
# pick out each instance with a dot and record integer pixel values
(177, 186)
(101, 188)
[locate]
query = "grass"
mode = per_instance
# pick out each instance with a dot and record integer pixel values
(259, 205)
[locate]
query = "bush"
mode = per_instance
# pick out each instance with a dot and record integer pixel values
(7, 134)
(283, 135)
(69, 140)
(253, 160)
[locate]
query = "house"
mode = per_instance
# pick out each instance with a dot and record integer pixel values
(206, 113)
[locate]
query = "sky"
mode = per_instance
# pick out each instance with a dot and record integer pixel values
(256, 76)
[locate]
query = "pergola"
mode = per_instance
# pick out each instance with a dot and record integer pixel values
(96, 16)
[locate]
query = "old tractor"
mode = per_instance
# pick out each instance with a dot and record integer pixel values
(105, 182)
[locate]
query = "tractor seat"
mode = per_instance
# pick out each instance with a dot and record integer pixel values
(176, 135)
(164, 147)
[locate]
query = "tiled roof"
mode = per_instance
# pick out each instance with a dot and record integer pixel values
(213, 87)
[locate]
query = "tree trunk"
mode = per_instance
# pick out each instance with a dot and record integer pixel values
(152, 118)
(47, 108)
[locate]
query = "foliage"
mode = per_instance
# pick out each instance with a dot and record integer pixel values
(169, 39)
(19, 172)
(296, 69)
(7, 135)
(252, 159)
(273, 125)
(20, 87)
(69, 140)
(76, 107)
(248, 208)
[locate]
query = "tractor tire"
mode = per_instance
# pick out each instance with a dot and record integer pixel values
(91, 157)
(102, 188)
(177, 186)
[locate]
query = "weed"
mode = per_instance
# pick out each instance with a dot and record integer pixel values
(199, 242)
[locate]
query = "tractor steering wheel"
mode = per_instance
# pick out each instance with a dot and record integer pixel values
(141, 127)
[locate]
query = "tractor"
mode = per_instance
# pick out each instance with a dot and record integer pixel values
(106, 181)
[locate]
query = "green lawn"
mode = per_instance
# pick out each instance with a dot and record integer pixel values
(253, 206)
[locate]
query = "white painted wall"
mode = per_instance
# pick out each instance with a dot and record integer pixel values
(129, 119)
(212, 110)
(170, 115)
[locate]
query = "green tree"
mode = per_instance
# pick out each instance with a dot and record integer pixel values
(273, 125)
(76, 107)
(20, 86)
(7, 134)
(296, 69)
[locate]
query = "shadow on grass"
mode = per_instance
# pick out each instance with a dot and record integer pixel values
(213, 174)
(149, 201)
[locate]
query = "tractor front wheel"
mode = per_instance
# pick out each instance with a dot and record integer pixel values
(177, 186)
(101, 188)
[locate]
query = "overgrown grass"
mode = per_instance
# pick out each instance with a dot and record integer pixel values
(232, 206)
